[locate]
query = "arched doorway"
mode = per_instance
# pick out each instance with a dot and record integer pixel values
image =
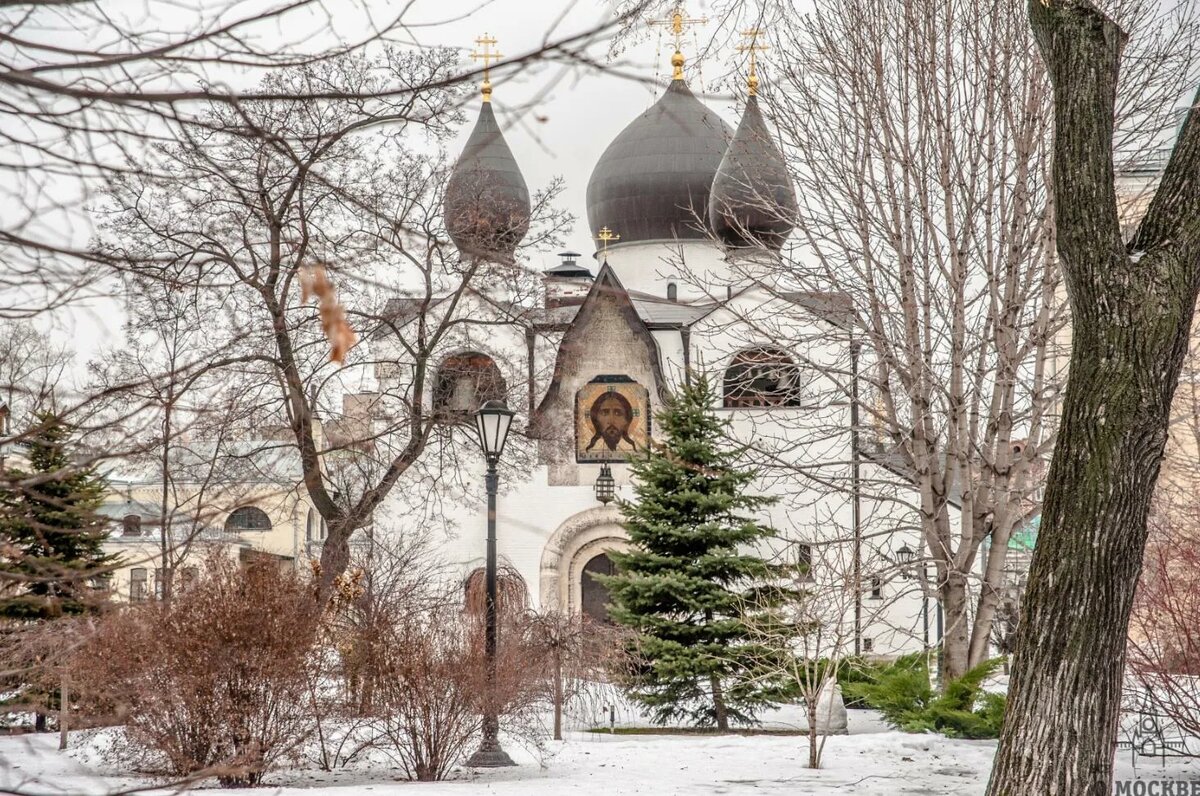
(580, 539)
(594, 596)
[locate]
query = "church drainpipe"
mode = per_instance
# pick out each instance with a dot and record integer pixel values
(529, 352)
(856, 499)
(685, 339)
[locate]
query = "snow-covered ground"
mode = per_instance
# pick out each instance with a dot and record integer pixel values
(870, 760)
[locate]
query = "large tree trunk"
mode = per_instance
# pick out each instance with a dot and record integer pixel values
(718, 695)
(1131, 316)
(955, 658)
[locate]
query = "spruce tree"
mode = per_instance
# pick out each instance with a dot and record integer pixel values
(50, 534)
(692, 577)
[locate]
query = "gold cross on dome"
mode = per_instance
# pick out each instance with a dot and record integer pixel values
(754, 48)
(678, 21)
(487, 56)
(604, 236)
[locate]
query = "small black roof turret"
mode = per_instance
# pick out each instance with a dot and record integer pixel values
(569, 268)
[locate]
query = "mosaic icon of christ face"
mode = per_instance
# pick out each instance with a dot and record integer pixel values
(612, 419)
(611, 415)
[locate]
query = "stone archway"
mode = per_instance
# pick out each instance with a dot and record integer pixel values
(580, 539)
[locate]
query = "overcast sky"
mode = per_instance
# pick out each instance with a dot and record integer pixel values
(558, 120)
(564, 131)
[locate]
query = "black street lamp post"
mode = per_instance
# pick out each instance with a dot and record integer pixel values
(492, 422)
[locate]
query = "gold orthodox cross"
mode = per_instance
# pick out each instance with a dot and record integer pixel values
(754, 48)
(604, 236)
(487, 56)
(678, 21)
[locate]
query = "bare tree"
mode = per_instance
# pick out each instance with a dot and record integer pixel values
(918, 137)
(1132, 306)
(247, 217)
(918, 159)
(31, 366)
(811, 637)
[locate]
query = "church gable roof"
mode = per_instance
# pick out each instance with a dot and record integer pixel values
(606, 294)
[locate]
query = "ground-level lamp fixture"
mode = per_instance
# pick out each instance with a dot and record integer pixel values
(606, 485)
(906, 557)
(492, 423)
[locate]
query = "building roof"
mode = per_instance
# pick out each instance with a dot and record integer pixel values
(653, 180)
(568, 270)
(261, 461)
(140, 508)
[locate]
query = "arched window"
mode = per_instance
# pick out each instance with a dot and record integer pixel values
(248, 518)
(131, 525)
(511, 595)
(310, 525)
(759, 377)
(465, 381)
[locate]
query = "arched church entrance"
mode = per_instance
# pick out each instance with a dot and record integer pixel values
(576, 550)
(594, 595)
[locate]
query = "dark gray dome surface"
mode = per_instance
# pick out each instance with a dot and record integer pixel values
(753, 200)
(653, 180)
(486, 207)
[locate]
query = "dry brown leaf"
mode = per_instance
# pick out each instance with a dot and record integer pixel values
(314, 282)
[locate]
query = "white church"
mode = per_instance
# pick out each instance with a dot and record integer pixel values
(691, 216)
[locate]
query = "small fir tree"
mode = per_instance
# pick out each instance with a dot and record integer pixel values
(692, 579)
(51, 537)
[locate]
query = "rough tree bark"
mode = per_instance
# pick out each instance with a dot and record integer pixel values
(1132, 307)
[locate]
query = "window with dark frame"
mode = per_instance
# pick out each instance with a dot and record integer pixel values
(876, 588)
(248, 518)
(804, 560)
(762, 378)
(868, 644)
(131, 525)
(138, 590)
(465, 382)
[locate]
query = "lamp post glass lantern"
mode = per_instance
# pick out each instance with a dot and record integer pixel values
(492, 422)
(906, 557)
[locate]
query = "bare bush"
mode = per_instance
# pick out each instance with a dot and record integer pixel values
(576, 654)
(1164, 627)
(431, 696)
(212, 682)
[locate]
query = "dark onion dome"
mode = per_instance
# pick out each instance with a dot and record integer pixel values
(487, 203)
(653, 180)
(753, 200)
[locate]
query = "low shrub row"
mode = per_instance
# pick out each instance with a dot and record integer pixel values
(903, 693)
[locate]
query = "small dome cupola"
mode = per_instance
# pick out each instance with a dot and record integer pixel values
(753, 200)
(653, 180)
(486, 207)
